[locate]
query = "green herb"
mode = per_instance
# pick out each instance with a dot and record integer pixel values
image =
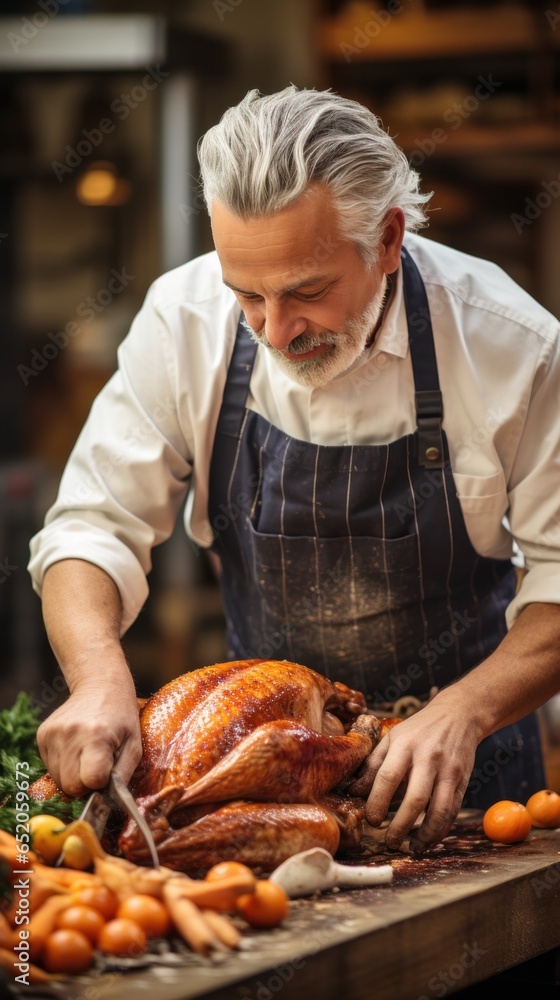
(18, 744)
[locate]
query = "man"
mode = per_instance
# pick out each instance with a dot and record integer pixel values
(354, 410)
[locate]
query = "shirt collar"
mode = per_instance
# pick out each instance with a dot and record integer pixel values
(392, 337)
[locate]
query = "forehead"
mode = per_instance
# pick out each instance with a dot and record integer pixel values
(286, 246)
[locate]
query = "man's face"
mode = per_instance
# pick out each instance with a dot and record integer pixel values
(306, 294)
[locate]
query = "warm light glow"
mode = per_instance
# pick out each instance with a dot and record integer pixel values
(100, 185)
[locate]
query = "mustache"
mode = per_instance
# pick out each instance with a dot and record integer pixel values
(299, 345)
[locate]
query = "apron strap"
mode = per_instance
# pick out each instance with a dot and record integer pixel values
(428, 398)
(237, 385)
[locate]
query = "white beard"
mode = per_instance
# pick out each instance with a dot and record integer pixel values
(344, 347)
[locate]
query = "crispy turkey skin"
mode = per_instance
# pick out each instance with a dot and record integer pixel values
(243, 761)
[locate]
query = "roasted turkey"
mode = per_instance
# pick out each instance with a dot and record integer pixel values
(248, 761)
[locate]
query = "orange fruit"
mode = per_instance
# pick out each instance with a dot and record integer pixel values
(81, 918)
(66, 951)
(100, 897)
(544, 807)
(123, 937)
(147, 911)
(507, 822)
(266, 906)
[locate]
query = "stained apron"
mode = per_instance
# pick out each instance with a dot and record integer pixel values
(355, 559)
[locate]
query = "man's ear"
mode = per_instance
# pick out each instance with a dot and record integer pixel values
(391, 241)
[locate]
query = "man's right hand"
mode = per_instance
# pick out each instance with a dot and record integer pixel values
(81, 740)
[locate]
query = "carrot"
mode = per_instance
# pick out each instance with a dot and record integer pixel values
(219, 895)
(7, 934)
(37, 892)
(43, 921)
(65, 877)
(223, 928)
(34, 974)
(9, 853)
(127, 879)
(188, 920)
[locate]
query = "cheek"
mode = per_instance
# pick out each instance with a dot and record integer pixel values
(254, 314)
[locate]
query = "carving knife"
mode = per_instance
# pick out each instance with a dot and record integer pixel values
(116, 795)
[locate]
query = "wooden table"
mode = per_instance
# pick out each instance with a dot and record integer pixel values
(453, 918)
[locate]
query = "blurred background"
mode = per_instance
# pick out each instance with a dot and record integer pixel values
(101, 105)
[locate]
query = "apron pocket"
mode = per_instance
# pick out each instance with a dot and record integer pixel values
(484, 503)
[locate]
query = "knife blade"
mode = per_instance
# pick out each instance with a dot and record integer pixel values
(118, 791)
(100, 804)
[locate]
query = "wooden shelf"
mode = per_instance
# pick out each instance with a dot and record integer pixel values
(471, 140)
(361, 33)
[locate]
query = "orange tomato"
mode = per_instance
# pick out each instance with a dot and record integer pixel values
(100, 897)
(544, 807)
(147, 911)
(46, 836)
(122, 937)
(66, 951)
(507, 822)
(267, 906)
(81, 918)
(225, 869)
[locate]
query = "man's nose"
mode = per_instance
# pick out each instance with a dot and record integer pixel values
(283, 324)
(280, 320)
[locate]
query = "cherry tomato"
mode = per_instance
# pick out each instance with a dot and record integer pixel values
(225, 869)
(123, 937)
(66, 951)
(75, 854)
(267, 906)
(81, 918)
(100, 897)
(46, 837)
(544, 807)
(147, 911)
(507, 822)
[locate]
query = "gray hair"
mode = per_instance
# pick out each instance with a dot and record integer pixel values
(265, 151)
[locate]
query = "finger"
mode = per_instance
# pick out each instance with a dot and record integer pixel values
(415, 801)
(129, 757)
(388, 779)
(96, 764)
(439, 818)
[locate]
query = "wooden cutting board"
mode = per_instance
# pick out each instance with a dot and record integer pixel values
(460, 914)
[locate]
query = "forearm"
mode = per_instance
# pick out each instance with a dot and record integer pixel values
(521, 674)
(80, 741)
(82, 614)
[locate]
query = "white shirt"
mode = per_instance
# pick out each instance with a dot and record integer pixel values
(149, 436)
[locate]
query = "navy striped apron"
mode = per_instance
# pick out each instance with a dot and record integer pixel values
(355, 559)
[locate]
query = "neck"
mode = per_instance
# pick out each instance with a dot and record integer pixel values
(388, 294)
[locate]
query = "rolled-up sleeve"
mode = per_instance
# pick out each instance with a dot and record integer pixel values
(128, 472)
(534, 492)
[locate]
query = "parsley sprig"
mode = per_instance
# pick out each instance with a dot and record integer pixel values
(18, 742)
